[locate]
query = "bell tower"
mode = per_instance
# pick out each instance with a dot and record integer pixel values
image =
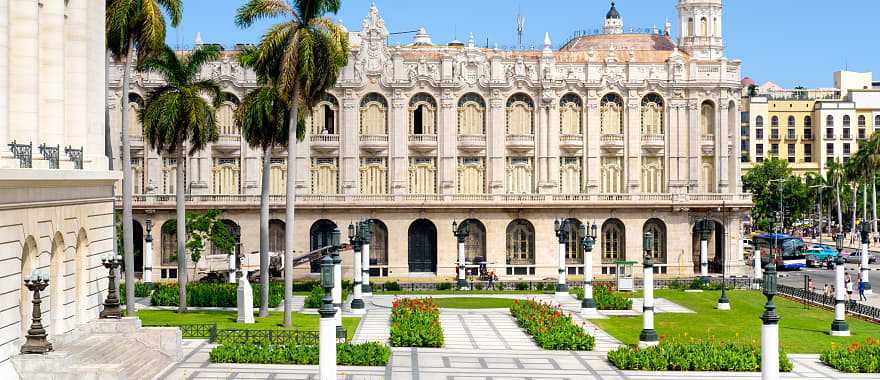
(700, 28)
(613, 21)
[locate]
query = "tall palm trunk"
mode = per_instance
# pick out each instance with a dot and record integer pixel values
(264, 234)
(180, 197)
(874, 204)
(855, 209)
(127, 187)
(289, 218)
(839, 210)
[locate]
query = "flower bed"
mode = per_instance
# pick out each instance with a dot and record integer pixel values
(694, 356)
(604, 298)
(211, 295)
(551, 328)
(416, 323)
(856, 358)
(366, 354)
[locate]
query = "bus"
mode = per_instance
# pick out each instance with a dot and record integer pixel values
(787, 250)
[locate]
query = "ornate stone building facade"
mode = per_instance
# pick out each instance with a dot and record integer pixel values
(630, 131)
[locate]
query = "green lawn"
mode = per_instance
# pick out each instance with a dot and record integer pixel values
(473, 303)
(227, 320)
(462, 292)
(801, 331)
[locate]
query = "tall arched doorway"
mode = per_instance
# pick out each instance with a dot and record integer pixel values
(138, 240)
(320, 235)
(422, 247)
(378, 249)
(474, 243)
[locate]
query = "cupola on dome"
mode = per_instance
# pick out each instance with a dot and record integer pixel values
(612, 13)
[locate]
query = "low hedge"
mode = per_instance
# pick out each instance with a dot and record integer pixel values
(551, 328)
(605, 299)
(856, 358)
(367, 354)
(211, 295)
(415, 323)
(693, 356)
(695, 284)
(316, 297)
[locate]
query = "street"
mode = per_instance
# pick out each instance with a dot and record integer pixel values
(826, 276)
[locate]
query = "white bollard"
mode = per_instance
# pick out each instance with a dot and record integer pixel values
(588, 307)
(357, 302)
(561, 287)
(770, 351)
(462, 281)
(148, 258)
(337, 296)
(758, 273)
(648, 337)
(232, 269)
(704, 258)
(839, 327)
(327, 351)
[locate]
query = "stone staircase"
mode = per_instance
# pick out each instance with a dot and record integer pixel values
(105, 349)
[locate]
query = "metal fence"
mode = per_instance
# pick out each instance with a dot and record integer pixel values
(868, 312)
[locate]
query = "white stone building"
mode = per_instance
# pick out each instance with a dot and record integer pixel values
(631, 131)
(56, 200)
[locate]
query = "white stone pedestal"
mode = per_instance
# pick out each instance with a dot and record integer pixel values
(245, 296)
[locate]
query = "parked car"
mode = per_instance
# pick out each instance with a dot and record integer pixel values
(821, 252)
(856, 258)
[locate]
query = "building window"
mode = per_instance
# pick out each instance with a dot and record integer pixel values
(759, 121)
(475, 242)
(808, 121)
(520, 118)
(791, 134)
(652, 115)
(658, 229)
(690, 28)
(791, 154)
(791, 121)
(829, 121)
(862, 133)
(169, 175)
(471, 115)
(611, 111)
(169, 243)
(422, 175)
(846, 133)
(846, 149)
(226, 117)
(277, 176)
(276, 236)
(374, 176)
(519, 175)
(374, 121)
(707, 174)
(379, 244)
(520, 243)
(471, 175)
(423, 114)
(613, 241)
(570, 111)
(877, 122)
(137, 171)
(759, 133)
(324, 116)
(846, 121)
(612, 175)
(829, 149)
(862, 121)
(774, 122)
(652, 175)
(574, 251)
(829, 133)
(569, 175)
(325, 176)
(808, 133)
(774, 133)
(227, 176)
(759, 149)
(707, 118)
(774, 150)
(808, 152)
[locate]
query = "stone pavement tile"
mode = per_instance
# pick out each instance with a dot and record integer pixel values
(661, 305)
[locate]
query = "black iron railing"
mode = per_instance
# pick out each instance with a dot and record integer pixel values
(852, 307)
(287, 337)
(23, 153)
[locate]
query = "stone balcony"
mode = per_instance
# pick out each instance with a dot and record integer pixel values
(596, 200)
(374, 143)
(571, 143)
(422, 143)
(228, 143)
(520, 143)
(324, 143)
(472, 143)
(612, 141)
(707, 139)
(653, 141)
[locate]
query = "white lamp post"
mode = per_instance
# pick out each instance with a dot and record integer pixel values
(327, 332)
(705, 229)
(460, 232)
(648, 337)
(770, 327)
(561, 227)
(367, 236)
(148, 253)
(354, 238)
(588, 307)
(865, 235)
(839, 327)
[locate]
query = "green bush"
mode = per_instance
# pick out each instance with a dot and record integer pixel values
(366, 354)
(211, 295)
(415, 323)
(444, 286)
(315, 298)
(391, 286)
(604, 298)
(305, 286)
(857, 358)
(694, 356)
(522, 285)
(551, 328)
(499, 287)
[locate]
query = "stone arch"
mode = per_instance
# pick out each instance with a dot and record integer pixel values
(571, 114)
(520, 243)
(324, 118)
(374, 115)
(707, 117)
(520, 114)
(475, 242)
(378, 244)
(422, 254)
(471, 114)
(716, 250)
(613, 240)
(320, 235)
(658, 250)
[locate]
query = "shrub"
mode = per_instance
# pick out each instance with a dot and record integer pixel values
(315, 298)
(604, 298)
(305, 286)
(444, 286)
(416, 323)
(551, 328)
(694, 356)
(856, 358)
(212, 295)
(522, 285)
(478, 286)
(366, 354)
(392, 286)
(539, 286)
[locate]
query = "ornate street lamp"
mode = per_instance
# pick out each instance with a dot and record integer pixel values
(36, 335)
(648, 337)
(561, 227)
(327, 332)
(839, 327)
(337, 282)
(111, 304)
(770, 326)
(356, 241)
(863, 268)
(588, 239)
(461, 233)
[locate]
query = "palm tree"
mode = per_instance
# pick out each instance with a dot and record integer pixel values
(264, 121)
(134, 26)
(176, 115)
(835, 175)
(302, 55)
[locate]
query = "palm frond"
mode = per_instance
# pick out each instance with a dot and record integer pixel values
(255, 10)
(174, 8)
(166, 63)
(311, 9)
(198, 58)
(149, 33)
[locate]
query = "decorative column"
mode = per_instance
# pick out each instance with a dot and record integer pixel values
(327, 326)
(648, 337)
(367, 236)
(355, 239)
(337, 284)
(770, 327)
(864, 269)
(148, 253)
(460, 232)
(593, 150)
(561, 227)
(588, 307)
(839, 327)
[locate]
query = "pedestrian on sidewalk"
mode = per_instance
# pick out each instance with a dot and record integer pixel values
(826, 291)
(810, 285)
(849, 287)
(862, 289)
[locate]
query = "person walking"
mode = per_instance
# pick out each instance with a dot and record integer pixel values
(862, 289)
(826, 290)
(849, 287)
(810, 285)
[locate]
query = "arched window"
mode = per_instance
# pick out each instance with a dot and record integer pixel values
(319, 237)
(759, 122)
(704, 27)
(862, 121)
(519, 175)
(520, 118)
(846, 121)
(423, 114)
(233, 229)
(715, 27)
(422, 175)
(570, 111)
(829, 121)
(707, 174)
(227, 176)
(774, 121)
(876, 121)
(690, 27)
(374, 175)
(613, 241)
(574, 250)
(707, 119)
(374, 119)
(324, 116)
(379, 243)
(226, 116)
(471, 115)
(169, 243)
(276, 237)
(652, 115)
(791, 121)
(611, 113)
(520, 243)
(422, 246)
(658, 230)
(475, 242)
(135, 103)
(325, 176)
(808, 121)
(612, 175)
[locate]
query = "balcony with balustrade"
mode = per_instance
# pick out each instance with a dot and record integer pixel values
(707, 140)
(422, 143)
(472, 143)
(571, 142)
(612, 141)
(324, 143)
(227, 142)
(653, 141)
(374, 143)
(520, 143)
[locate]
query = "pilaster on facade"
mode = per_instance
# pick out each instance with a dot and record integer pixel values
(633, 150)
(594, 150)
(399, 151)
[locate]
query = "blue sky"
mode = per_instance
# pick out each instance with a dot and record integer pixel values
(790, 42)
